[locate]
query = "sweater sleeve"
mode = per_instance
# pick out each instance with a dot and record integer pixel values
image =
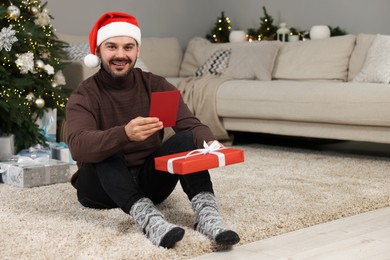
(86, 142)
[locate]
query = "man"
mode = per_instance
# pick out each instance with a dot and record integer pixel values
(115, 142)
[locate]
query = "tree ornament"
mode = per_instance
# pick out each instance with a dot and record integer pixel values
(25, 62)
(40, 103)
(13, 11)
(40, 64)
(7, 38)
(34, 10)
(30, 97)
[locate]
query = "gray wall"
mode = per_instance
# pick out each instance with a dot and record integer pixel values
(185, 19)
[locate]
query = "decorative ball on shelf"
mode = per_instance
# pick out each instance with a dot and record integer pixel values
(319, 32)
(237, 36)
(13, 11)
(40, 103)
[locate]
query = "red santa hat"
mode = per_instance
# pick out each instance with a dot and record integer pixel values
(110, 25)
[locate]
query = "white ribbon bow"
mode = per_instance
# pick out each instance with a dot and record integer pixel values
(208, 149)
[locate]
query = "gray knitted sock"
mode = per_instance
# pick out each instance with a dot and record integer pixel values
(208, 220)
(152, 222)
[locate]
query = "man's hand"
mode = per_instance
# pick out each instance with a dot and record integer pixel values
(141, 128)
(220, 145)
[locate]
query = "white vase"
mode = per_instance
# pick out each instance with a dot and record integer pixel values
(237, 36)
(319, 32)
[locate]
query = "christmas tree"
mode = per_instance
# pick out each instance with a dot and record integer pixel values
(267, 30)
(31, 76)
(220, 33)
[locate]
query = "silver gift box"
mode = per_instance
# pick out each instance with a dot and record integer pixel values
(27, 175)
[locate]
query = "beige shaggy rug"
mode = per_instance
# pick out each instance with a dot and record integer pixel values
(276, 190)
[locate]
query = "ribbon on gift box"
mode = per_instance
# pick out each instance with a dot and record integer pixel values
(208, 149)
(47, 126)
(29, 160)
(36, 151)
(45, 162)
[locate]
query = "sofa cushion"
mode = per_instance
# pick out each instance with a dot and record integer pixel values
(162, 55)
(376, 66)
(305, 101)
(216, 64)
(359, 53)
(247, 61)
(252, 60)
(197, 52)
(315, 59)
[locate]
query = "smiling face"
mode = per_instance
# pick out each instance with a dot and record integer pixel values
(118, 55)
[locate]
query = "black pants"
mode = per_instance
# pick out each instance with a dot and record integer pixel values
(111, 184)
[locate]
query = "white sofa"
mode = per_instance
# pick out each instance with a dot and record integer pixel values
(336, 88)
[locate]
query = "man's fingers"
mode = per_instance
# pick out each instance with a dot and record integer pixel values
(141, 128)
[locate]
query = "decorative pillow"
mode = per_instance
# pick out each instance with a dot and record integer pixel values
(359, 54)
(216, 64)
(198, 51)
(325, 59)
(252, 60)
(77, 51)
(376, 67)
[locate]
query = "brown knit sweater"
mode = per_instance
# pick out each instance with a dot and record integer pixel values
(101, 106)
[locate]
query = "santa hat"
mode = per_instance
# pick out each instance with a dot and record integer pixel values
(110, 25)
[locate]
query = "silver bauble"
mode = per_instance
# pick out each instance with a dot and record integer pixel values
(30, 97)
(40, 64)
(40, 103)
(34, 10)
(13, 11)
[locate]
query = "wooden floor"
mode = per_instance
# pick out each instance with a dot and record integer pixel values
(364, 236)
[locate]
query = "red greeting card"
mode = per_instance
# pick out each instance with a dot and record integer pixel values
(164, 105)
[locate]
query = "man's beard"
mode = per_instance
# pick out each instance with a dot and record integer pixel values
(107, 67)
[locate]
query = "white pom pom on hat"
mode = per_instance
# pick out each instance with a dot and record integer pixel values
(109, 25)
(91, 60)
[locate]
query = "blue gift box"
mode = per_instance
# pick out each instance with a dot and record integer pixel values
(60, 151)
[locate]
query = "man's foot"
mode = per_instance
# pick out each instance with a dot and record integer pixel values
(159, 231)
(169, 240)
(228, 237)
(209, 222)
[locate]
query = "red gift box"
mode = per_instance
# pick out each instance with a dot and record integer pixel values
(198, 160)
